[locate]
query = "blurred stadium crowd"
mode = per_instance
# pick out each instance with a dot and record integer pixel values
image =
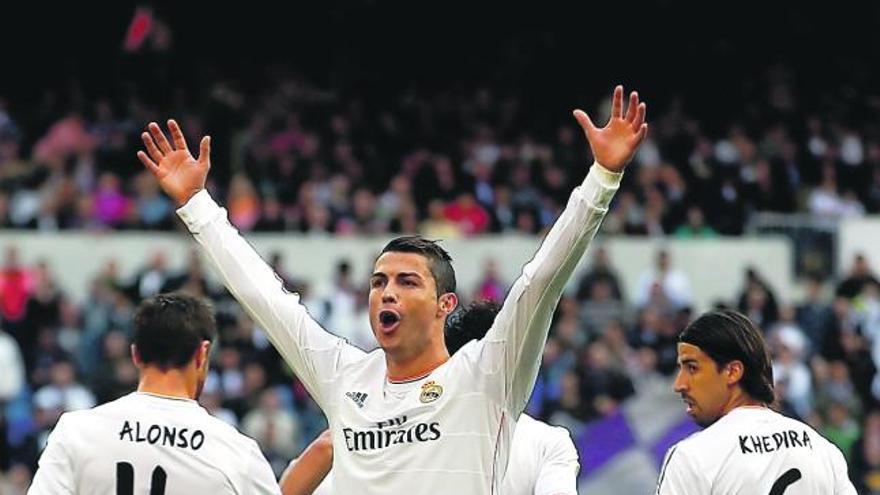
(446, 163)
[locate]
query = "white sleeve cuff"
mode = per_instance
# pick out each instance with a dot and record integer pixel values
(199, 211)
(600, 185)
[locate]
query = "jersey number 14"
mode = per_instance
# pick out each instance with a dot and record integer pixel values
(125, 480)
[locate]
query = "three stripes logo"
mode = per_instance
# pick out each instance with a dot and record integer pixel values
(358, 397)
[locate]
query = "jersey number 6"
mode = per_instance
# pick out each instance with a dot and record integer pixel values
(784, 481)
(125, 480)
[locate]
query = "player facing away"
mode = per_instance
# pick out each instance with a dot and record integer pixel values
(746, 448)
(157, 440)
(407, 418)
(543, 459)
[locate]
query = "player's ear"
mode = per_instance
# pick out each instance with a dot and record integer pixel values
(136, 357)
(447, 303)
(202, 354)
(734, 372)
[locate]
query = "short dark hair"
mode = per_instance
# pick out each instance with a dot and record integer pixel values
(470, 324)
(168, 328)
(439, 261)
(726, 335)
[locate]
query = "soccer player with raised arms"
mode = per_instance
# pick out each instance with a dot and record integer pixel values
(746, 448)
(157, 440)
(543, 459)
(407, 418)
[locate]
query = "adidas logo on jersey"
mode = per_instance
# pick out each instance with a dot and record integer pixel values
(358, 397)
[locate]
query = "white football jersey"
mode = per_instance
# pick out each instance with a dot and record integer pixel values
(543, 461)
(448, 431)
(755, 451)
(149, 444)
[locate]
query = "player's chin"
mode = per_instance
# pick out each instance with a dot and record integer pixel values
(691, 410)
(703, 420)
(387, 338)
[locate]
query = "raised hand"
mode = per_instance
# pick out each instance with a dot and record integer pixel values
(179, 174)
(615, 144)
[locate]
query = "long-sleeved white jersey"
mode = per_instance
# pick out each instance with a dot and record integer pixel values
(755, 451)
(144, 443)
(449, 431)
(543, 461)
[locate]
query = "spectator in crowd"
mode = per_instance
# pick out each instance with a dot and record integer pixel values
(12, 370)
(841, 428)
(16, 286)
(116, 374)
(865, 456)
(664, 280)
(63, 390)
(601, 308)
(859, 275)
(438, 225)
(814, 314)
(275, 428)
(605, 384)
(17, 480)
(757, 300)
(696, 227)
(600, 270)
(150, 280)
(343, 309)
(490, 286)
(789, 349)
(467, 214)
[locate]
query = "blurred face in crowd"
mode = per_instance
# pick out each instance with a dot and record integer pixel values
(406, 313)
(860, 267)
(705, 387)
(63, 374)
(662, 261)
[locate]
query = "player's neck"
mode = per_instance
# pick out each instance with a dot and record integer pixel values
(171, 383)
(404, 370)
(742, 400)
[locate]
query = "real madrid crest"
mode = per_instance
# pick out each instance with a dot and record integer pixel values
(431, 391)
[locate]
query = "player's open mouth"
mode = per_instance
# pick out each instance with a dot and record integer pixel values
(388, 320)
(690, 405)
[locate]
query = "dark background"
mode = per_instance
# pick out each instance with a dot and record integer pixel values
(555, 55)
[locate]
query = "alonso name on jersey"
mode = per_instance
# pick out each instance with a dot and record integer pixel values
(166, 436)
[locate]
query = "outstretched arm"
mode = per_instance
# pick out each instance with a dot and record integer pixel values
(514, 344)
(306, 473)
(314, 354)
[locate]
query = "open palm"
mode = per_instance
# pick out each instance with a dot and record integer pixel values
(179, 174)
(615, 144)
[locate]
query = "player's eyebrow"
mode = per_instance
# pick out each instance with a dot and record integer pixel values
(399, 275)
(409, 274)
(688, 361)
